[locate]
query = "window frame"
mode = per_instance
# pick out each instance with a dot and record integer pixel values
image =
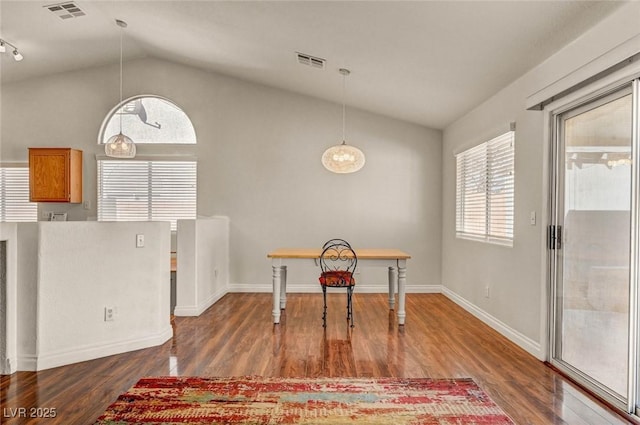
(488, 214)
(152, 151)
(103, 213)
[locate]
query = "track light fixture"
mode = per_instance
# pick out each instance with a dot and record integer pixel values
(3, 48)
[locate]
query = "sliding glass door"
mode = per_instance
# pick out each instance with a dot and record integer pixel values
(592, 240)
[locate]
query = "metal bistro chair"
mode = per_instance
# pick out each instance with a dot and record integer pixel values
(335, 241)
(338, 263)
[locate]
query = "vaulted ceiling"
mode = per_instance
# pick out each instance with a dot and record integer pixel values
(427, 62)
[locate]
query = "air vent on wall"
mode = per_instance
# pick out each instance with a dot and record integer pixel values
(66, 10)
(311, 61)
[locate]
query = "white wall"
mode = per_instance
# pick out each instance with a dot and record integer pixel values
(258, 153)
(70, 271)
(8, 312)
(202, 275)
(517, 276)
(27, 311)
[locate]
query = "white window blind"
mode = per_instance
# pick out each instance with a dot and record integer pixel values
(14, 195)
(147, 190)
(485, 190)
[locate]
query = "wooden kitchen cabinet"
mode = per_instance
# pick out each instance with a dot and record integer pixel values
(55, 175)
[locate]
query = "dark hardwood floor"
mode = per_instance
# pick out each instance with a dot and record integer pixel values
(236, 337)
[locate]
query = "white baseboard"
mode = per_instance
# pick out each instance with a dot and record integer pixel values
(185, 310)
(523, 341)
(197, 310)
(424, 289)
(249, 287)
(9, 366)
(28, 363)
(90, 352)
(315, 288)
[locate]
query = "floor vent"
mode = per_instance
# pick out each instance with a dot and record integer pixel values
(311, 61)
(66, 10)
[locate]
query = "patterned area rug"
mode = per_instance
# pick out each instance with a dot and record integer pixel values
(255, 400)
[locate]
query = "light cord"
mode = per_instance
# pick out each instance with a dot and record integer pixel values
(344, 108)
(121, 32)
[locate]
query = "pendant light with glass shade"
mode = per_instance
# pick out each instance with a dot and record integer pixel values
(120, 146)
(343, 158)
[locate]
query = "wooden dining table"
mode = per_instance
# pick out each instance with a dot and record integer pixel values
(394, 260)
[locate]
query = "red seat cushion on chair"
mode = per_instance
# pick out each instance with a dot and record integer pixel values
(337, 278)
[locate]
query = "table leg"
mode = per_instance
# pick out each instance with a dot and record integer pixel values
(392, 287)
(276, 293)
(283, 288)
(402, 282)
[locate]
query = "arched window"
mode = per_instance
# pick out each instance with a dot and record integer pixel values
(153, 187)
(149, 119)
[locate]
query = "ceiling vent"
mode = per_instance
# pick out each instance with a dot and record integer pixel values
(311, 61)
(66, 10)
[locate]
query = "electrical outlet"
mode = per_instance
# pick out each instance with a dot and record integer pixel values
(486, 291)
(86, 205)
(139, 241)
(109, 314)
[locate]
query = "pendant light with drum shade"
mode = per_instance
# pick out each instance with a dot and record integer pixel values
(120, 145)
(343, 158)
